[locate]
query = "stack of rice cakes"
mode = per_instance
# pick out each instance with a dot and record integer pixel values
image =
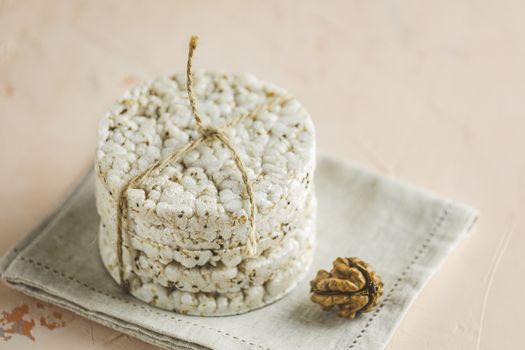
(186, 227)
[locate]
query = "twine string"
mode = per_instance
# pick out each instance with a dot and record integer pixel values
(207, 132)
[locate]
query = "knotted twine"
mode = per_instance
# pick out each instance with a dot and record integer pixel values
(207, 133)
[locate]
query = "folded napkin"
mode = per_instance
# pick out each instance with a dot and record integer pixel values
(403, 232)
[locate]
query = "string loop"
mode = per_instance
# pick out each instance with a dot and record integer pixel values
(206, 132)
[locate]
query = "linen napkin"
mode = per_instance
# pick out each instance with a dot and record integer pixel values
(403, 232)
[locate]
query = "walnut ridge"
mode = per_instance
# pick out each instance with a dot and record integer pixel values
(351, 285)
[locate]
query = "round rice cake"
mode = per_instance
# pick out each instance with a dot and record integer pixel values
(193, 214)
(200, 202)
(229, 274)
(221, 290)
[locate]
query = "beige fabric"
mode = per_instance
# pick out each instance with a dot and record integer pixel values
(404, 232)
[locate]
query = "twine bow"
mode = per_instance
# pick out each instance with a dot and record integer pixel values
(207, 132)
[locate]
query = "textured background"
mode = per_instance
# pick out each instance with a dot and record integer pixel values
(430, 92)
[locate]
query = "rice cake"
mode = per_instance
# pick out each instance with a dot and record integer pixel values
(193, 213)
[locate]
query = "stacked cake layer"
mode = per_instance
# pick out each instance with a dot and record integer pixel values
(185, 227)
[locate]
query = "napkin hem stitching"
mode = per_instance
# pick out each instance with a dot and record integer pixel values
(437, 225)
(85, 285)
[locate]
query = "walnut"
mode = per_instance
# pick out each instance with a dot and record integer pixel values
(351, 285)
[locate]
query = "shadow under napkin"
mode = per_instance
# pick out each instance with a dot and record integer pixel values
(402, 231)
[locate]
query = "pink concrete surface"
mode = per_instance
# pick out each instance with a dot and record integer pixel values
(431, 92)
